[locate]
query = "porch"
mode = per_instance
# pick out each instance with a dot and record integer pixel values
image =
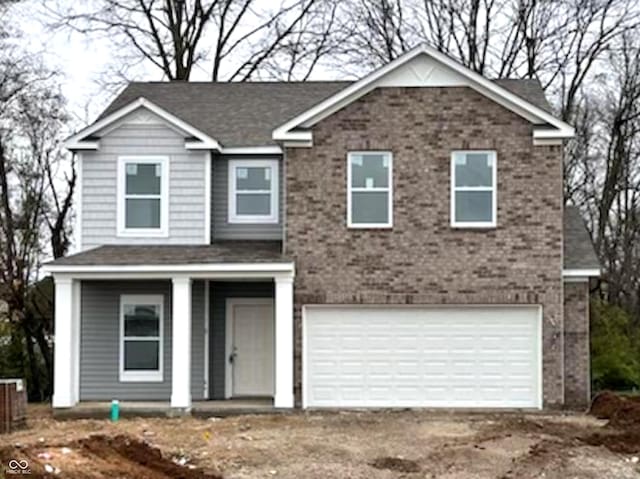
(210, 408)
(173, 326)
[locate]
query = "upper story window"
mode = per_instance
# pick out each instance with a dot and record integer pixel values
(141, 341)
(369, 189)
(143, 191)
(253, 191)
(473, 189)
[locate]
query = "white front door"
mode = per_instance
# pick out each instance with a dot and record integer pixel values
(250, 347)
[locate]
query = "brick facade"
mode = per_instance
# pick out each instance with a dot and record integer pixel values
(577, 380)
(422, 260)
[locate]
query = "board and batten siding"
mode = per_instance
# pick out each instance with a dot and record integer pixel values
(99, 173)
(100, 342)
(221, 229)
(218, 294)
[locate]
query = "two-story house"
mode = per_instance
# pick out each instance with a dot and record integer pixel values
(398, 241)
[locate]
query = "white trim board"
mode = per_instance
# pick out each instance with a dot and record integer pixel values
(252, 150)
(572, 273)
(79, 194)
(430, 68)
(167, 275)
(207, 197)
(172, 269)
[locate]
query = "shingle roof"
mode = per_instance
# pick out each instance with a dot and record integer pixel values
(528, 89)
(234, 114)
(217, 252)
(578, 249)
(245, 114)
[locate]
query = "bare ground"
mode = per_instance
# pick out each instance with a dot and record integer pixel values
(382, 444)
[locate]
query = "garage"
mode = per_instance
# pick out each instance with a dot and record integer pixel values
(469, 357)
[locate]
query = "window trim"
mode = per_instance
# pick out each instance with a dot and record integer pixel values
(233, 216)
(163, 230)
(146, 376)
(494, 190)
(388, 189)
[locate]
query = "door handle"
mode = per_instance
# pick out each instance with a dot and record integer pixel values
(233, 355)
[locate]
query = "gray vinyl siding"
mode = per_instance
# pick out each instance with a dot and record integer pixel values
(100, 342)
(219, 292)
(221, 229)
(187, 199)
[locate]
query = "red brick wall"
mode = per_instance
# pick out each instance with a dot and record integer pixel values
(422, 259)
(577, 380)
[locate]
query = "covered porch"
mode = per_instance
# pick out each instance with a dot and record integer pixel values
(210, 408)
(174, 326)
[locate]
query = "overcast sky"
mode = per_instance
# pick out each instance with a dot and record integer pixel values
(78, 61)
(82, 63)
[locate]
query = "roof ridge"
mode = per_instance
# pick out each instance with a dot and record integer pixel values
(514, 79)
(260, 82)
(280, 82)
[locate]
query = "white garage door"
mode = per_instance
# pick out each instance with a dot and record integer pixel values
(421, 357)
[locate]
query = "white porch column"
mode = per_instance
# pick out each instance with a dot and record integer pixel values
(66, 337)
(284, 342)
(181, 343)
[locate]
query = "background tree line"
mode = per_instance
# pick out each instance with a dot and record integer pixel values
(585, 53)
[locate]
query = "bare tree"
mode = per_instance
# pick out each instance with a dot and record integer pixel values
(33, 218)
(463, 28)
(315, 38)
(604, 174)
(556, 42)
(595, 28)
(375, 32)
(618, 208)
(233, 39)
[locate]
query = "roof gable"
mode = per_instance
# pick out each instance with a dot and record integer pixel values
(84, 139)
(236, 114)
(140, 117)
(234, 117)
(422, 67)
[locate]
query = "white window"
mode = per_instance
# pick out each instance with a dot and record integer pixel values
(369, 189)
(473, 189)
(253, 191)
(141, 318)
(143, 192)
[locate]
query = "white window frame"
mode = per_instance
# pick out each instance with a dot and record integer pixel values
(142, 375)
(233, 215)
(388, 189)
(163, 230)
(493, 189)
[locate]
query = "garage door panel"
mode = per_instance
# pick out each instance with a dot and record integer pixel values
(413, 357)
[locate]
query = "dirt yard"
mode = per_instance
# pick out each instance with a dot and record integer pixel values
(408, 444)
